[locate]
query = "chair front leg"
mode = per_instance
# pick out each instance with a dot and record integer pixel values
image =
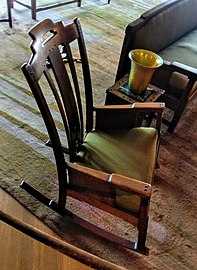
(143, 226)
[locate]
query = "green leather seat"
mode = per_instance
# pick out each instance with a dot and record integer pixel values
(125, 152)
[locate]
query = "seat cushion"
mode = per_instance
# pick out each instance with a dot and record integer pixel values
(128, 152)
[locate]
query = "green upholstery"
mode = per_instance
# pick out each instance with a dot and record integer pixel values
(184, 51)
(128, 152)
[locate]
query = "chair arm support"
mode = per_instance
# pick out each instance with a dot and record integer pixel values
(126, 116)
(119, 181)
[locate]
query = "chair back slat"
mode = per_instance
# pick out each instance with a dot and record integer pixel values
(58, 100)
(50, 42)
(86, 76)
(70, 59)
(70, 112)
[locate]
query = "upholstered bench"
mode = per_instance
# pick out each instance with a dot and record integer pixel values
(169, 29)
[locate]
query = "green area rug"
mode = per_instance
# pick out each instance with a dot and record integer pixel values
(172, 234)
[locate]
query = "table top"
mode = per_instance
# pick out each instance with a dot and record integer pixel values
(120, 89)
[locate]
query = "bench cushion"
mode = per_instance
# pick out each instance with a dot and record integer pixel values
(183, 50)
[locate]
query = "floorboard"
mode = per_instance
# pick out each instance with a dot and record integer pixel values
(18, 251)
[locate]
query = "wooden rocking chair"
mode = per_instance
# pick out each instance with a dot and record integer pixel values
(111, 161)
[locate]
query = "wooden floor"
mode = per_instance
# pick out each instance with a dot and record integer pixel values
(18, 251)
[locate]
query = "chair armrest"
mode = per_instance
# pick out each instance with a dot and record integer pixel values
(150, 106)
(118, 181)
(156, 106)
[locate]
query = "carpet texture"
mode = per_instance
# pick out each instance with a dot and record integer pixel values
(172, 234)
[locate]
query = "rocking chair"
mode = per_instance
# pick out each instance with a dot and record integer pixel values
(111, 158)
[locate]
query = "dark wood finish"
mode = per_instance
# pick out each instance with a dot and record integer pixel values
(114, 96)
(34, 9)
(9, 18)
(90, 185)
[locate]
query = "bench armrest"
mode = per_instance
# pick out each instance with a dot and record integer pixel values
(190, 72)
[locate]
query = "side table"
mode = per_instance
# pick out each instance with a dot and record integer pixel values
(119, 93)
